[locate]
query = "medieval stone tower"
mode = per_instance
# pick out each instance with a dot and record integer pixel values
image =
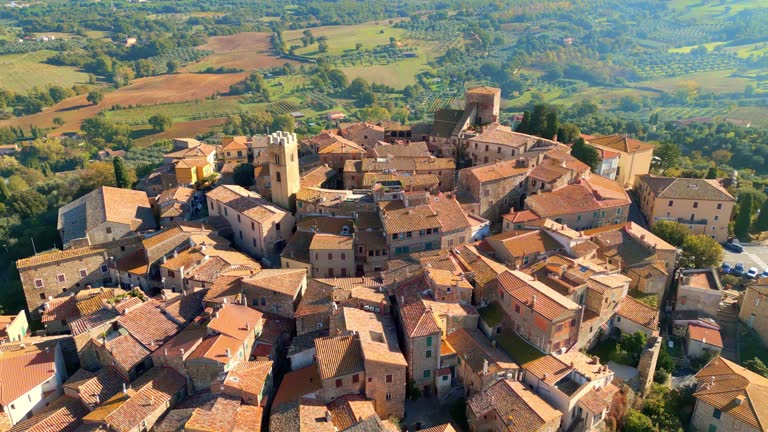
(284, 169)
(486, 101)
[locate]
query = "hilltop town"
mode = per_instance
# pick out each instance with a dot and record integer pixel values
(362, 281)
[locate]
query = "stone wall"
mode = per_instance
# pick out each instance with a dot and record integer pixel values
(647, 365)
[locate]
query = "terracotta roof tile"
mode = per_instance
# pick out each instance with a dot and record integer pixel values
(338, 356)
(284, 281)
(517, 407)
(639, 313)
(220, 418)
(246, 202)
(248, 418)
(705, 335)
(126, 350)
(573, 198)
(331, 242)
(734, 390)
(95, 388)
(417, 320)
(54, 256)
(37, 364)
(548, 303)
(62, 415)
(149, 325)
(475, 348)
(235, 320)
(296, 384)
(686, 188)
(620, 143)
(152, 390)
(100, 317)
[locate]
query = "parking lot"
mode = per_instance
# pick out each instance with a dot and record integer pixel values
(754, 255)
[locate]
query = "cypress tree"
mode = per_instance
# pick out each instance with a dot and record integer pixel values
(121, 173)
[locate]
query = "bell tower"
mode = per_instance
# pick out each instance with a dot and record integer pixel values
(284, 169)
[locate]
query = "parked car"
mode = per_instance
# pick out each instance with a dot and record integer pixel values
(764, 274)
(726, 268)
(734, 247)
(752, 273)
(738, 269)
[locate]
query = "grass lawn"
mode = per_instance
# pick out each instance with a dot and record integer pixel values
(21, 72)
(517, 348)
(647, 299)
(750, 346)
(608, 350)
(492, 314)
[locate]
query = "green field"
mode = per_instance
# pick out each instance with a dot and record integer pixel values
(714, 81)
(711, 9)
(21, 72)
(754, 116)
(343, 38)
(184, 111)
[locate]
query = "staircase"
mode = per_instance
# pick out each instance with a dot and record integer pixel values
(727, 317)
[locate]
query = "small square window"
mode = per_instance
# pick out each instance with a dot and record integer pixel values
(83, 273)
(338, 383)
(428, 354)
(716, 414)
(388, 378)
(38, 283)
(427, 373)
(104, 269)
(109, 230)
(355, 378)
(389, 396)
(61, 278)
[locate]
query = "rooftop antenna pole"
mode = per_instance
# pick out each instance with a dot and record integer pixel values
(34, 249)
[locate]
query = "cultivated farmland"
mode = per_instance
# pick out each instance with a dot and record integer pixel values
(247, 51)
(21, 72)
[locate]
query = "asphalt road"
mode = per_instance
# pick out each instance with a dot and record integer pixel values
(754, 255)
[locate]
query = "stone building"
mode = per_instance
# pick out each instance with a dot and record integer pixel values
(51, 274)
(539, 314)
(443, 168)
(260, 228)
(752, 310)
(729, 397)
(634, 156)
(509, 406)
(276, 291)
(492, 190)
(104, 215)
(702, 205)
(699, 290)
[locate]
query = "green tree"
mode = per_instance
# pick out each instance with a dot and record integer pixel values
(160, 122)
(367, 99)
(671, 232)
(635, 421)
(337, 79)
(757, 366)
(28, 203)
(322, 46)
(669, 155)
(711, 173)
(551, 125)
(525, 124)
(701, 251)
(283, 122)
(95, 97)
(357, 86)
(568, 133)
(586, 153)
(744, 218)
(634, 344)
(4, 192)
(244, 175)
(761, 223)
(122, 176)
